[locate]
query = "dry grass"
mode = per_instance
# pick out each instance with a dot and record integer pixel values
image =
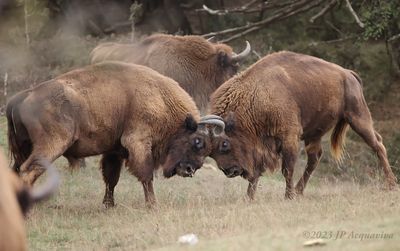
(214, 208)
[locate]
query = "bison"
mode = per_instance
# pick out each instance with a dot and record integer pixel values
(15, 200)
(280, 100)
(122, 111)
(197, 64)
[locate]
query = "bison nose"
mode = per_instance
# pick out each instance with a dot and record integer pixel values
(188, 168)
(233, 172)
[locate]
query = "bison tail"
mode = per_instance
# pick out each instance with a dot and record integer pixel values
(12, 141)
(15, 150)
(338, 139)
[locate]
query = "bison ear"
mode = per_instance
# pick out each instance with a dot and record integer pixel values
(190, 123)
(223, 59)
(230, 122)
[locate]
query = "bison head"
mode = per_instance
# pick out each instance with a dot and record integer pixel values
(228, 61)
(240, 153)
(189, 147)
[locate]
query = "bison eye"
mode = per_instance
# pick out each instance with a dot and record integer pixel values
(198, 143)
(225, 146)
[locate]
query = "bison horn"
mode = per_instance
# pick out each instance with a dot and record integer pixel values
(213, 120)
(211, 39)
(239, 57)
(46, 190)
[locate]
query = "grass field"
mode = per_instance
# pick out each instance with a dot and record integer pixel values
(215, 209)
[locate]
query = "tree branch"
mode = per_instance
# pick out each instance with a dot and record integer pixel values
(339, 40)
(299, 8)
(283, 12)
(394, 37)
(334, 27)
(26, 15)
(245, 8)
(361, 24)
(324, 10)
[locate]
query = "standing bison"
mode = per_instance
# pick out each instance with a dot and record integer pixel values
(122, 111)
(198, 65)
(282, 99)
(15, 200)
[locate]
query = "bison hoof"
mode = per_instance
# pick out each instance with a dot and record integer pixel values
(82, 163)
(393, 186)
(289, 195)
(108, 203)
(299, 191)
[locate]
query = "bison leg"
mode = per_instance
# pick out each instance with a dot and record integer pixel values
(314, 153)
(111, 169)
(140, 161)
(82, 163)
(149, 193)
(252, 188)
(289, 157)
(361, 123)
(73, 163)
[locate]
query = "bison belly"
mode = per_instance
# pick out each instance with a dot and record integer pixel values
(94, 143)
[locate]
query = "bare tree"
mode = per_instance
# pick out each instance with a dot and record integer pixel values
(280, 10)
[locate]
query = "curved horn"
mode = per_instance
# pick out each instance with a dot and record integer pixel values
(211, 116)
(47, 189)
(216, 122)
(243, 54)
(213, 120)
(211, 39)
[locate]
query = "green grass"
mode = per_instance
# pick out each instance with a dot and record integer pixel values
(215, 209)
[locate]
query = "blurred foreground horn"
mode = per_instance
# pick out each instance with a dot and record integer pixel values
(44, 191)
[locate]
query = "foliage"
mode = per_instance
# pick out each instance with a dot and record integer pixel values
(379, 17)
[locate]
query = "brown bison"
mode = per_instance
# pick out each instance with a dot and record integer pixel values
(198, 65)
(282, 99)
(122, 111)
(15, 200)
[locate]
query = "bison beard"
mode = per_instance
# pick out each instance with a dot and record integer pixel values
(122, 111)
(281, 99)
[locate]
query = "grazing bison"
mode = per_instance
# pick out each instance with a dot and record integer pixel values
(198, 65)
(122, 111)
(282, 99)
(15, 200)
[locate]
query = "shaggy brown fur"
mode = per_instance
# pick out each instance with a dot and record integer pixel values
(282, 99)
(198, 65)
(15, 200)
(119, 110)
(12, 230)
